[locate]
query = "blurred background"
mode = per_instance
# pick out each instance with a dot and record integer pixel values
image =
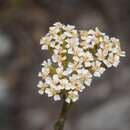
(103, 106)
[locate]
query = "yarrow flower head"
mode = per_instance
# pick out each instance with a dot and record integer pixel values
(75, 58)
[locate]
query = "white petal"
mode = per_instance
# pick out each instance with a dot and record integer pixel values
(48, 80)
(88, 64)
(57, 97)
(97, 74)
(54, 58)
(55, 77)
(88, 82)
(68, 100)
(44, 47)
(70, 51)
(40, 84)
(116, 63)
(74, 99)
(102, 70)
(41, 92)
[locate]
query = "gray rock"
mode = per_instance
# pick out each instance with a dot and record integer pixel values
(113, 115)
(5, 45)
(4, 95)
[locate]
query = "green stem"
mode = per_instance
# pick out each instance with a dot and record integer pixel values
(59, 125)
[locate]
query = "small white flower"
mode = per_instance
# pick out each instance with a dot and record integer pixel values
(98, 69)
(47, 63)
(41, 92)
(68, 100)
(83, 35)
(57, 97)
(58, 25)
(45, 42)
(85, 75)
(56, 78)
(58, 59)
(90, 41)
(74, 66)
(44, 73)
(65, 84)
(42, 87)
(49, 92)
(40, 84)
(101, 54)
(112, 60)
(72, 95)
(72, 44)
(87, 58)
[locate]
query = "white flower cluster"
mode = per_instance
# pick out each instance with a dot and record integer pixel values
(76, 57)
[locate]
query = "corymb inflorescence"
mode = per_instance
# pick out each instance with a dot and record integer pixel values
(76, 57)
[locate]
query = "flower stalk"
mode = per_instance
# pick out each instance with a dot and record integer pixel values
(59, 125)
